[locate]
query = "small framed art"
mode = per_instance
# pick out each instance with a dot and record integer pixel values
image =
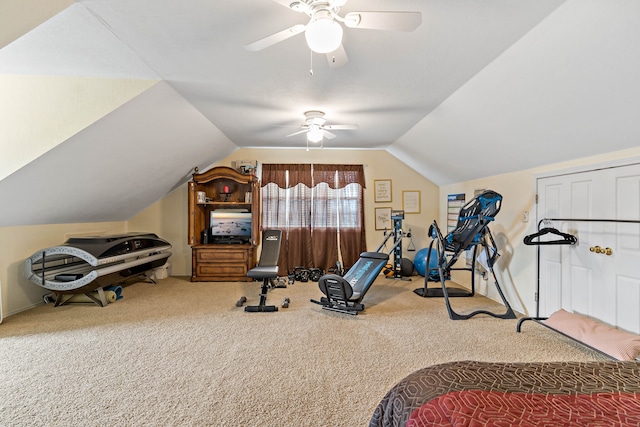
(411, 201)
(383, 218)
(382, 188)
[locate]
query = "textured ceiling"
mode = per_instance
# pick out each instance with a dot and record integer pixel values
(479, 88)
(392, 79)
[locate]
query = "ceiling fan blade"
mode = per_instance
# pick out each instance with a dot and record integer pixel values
(391, 21)
(341, 127)
(275, 38)
(328, 134)
(299, 132)
(338, 57)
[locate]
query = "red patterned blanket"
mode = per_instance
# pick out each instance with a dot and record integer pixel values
(497, 409)
(446, 390)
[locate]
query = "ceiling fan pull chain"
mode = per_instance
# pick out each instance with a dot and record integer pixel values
(311, 64)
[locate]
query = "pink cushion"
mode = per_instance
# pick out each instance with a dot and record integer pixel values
(614, 342)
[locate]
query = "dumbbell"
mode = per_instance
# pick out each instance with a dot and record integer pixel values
(315, 274)
(241, 301)
(279, 282)
(285, 302)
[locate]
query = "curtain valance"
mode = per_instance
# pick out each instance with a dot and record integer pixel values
(312, 174)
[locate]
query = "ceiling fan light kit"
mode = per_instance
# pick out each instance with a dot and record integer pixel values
(315, 134)
(317, 130)
(323, 34)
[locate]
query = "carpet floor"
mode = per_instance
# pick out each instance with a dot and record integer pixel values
(182, 354)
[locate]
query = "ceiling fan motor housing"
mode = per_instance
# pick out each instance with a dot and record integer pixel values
(314, 117)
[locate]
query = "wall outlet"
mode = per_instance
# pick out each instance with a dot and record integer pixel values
(525, 216)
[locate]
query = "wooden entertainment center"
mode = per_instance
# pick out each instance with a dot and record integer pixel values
(222, 189)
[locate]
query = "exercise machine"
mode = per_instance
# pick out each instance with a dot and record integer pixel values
(397, 216)
(471, 233)
(344, 294)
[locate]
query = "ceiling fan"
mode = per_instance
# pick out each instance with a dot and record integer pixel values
(323, 32)
(316, 127)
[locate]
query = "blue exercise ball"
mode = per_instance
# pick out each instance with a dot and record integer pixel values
(420, 260)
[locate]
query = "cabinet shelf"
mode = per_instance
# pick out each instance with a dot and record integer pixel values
(222, 245)
(216, 262)
(243, 204)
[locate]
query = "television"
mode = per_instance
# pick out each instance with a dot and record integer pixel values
(230, 226)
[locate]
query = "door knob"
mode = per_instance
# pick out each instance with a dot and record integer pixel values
(599, 250)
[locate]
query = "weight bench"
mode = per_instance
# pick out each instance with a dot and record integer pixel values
(344, 293)
(266, 269)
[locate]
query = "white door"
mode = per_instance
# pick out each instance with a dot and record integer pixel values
(600, 276)
(624, 260)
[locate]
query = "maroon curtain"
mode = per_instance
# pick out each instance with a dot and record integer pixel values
(353, 239)
(324, 226)
(274, 174)
(298, 228)
(347, 174)
(319, 208)
(346, 206)
(286, 175)
(289, 215)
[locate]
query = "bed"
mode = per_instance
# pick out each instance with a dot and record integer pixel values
(471, 393)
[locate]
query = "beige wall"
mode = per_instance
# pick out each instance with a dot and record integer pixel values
(516, 267)
(168, 216)
(168, 219)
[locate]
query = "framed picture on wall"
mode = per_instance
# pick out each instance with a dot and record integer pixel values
(383, 218)
(411, 201)
(382, 188)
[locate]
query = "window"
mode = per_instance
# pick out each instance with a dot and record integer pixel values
(320, 210)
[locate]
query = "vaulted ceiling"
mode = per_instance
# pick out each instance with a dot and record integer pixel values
(115, 101)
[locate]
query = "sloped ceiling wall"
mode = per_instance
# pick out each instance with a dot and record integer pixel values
(98, 146)
(566, 90)
(117, 166)
(46, 110)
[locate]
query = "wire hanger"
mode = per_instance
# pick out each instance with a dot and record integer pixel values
(565, 238)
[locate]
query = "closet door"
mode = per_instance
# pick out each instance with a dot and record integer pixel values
(624, 262)
(599, 276)
(568, 273)
(551, 204)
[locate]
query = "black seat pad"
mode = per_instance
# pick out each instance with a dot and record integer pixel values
(263, 272)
